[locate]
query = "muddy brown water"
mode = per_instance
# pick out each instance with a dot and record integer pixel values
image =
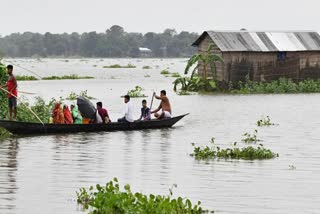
(41, 174)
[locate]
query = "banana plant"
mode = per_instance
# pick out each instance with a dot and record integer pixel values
(206, 60)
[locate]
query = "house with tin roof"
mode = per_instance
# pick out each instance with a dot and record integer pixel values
(263, 56)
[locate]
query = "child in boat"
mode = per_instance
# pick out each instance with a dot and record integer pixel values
(145, 111)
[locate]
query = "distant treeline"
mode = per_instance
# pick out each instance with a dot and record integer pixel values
(115, 42)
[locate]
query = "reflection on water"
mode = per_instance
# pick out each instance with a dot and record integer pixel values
(40, 174)
(8, 168)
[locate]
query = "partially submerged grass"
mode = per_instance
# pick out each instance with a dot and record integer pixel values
(136, 92)
(67, 77)
(111, 199)
(119, 66)
(165, 72)
(146, 67)
(26, 78)
(250, 138)
(265, 122)
(246, 153)
(176, 74)
(74, 96)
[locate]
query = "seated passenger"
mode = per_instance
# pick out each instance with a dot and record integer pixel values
(67, 115)
(128, 111)
(145, 111)
(103, 113)
(76, 116)
(57, 114)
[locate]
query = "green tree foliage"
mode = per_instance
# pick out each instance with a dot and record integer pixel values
(3, 95)
(115, 42)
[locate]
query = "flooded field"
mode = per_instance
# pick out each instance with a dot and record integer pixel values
(41, 174)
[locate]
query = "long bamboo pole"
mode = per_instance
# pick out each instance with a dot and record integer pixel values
(24, 105)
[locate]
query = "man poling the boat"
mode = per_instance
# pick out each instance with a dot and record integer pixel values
(12, 93)
(165, 106)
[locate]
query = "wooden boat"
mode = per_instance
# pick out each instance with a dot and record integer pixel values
(26, 128)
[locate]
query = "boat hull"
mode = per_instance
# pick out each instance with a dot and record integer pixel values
(25, 128)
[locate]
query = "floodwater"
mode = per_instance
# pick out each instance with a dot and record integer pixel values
(42, 174)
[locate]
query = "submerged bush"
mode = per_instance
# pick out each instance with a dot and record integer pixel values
(193, 84)
(265, 122)
(164, 72)
(74, 96)
(176, 74)
(282, 85)
(111, 199)
(40, 107)
(246, 153)
(250, 138)
(136, 92)
(146, 67)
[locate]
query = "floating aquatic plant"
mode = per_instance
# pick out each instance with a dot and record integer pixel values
(112, 199)
(246, 153)
(265, 122)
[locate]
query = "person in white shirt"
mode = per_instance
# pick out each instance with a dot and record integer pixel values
(128, 111)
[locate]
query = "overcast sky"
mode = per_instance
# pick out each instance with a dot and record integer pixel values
(60, 16)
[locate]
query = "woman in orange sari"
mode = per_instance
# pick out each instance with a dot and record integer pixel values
(67, 115)
(57, 114)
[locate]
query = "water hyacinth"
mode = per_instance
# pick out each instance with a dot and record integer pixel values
(111, 199)
(245, 153)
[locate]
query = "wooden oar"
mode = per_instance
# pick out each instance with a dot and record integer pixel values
(24, 105)
(25, 92)
(151, 101)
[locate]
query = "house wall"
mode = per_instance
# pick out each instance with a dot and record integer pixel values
(263, 66)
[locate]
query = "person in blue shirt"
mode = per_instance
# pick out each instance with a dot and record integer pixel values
(145, 111)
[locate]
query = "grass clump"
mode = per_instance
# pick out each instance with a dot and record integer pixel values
(176, 75)
(67, 77)
(111, 199)
(265, 122)
(250, 138)
(136, 92)
(120, 66)
(25, 78)
(165, 72)
(146, 67)
(74, 96)
(245, 153)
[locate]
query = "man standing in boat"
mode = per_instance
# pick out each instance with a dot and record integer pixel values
(12, 93)
(164, 106)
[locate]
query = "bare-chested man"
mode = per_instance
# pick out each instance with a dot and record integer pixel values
(164, 106)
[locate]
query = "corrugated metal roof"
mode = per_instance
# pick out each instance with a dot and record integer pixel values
(263, 41)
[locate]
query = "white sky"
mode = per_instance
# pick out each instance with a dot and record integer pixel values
(143, 16)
